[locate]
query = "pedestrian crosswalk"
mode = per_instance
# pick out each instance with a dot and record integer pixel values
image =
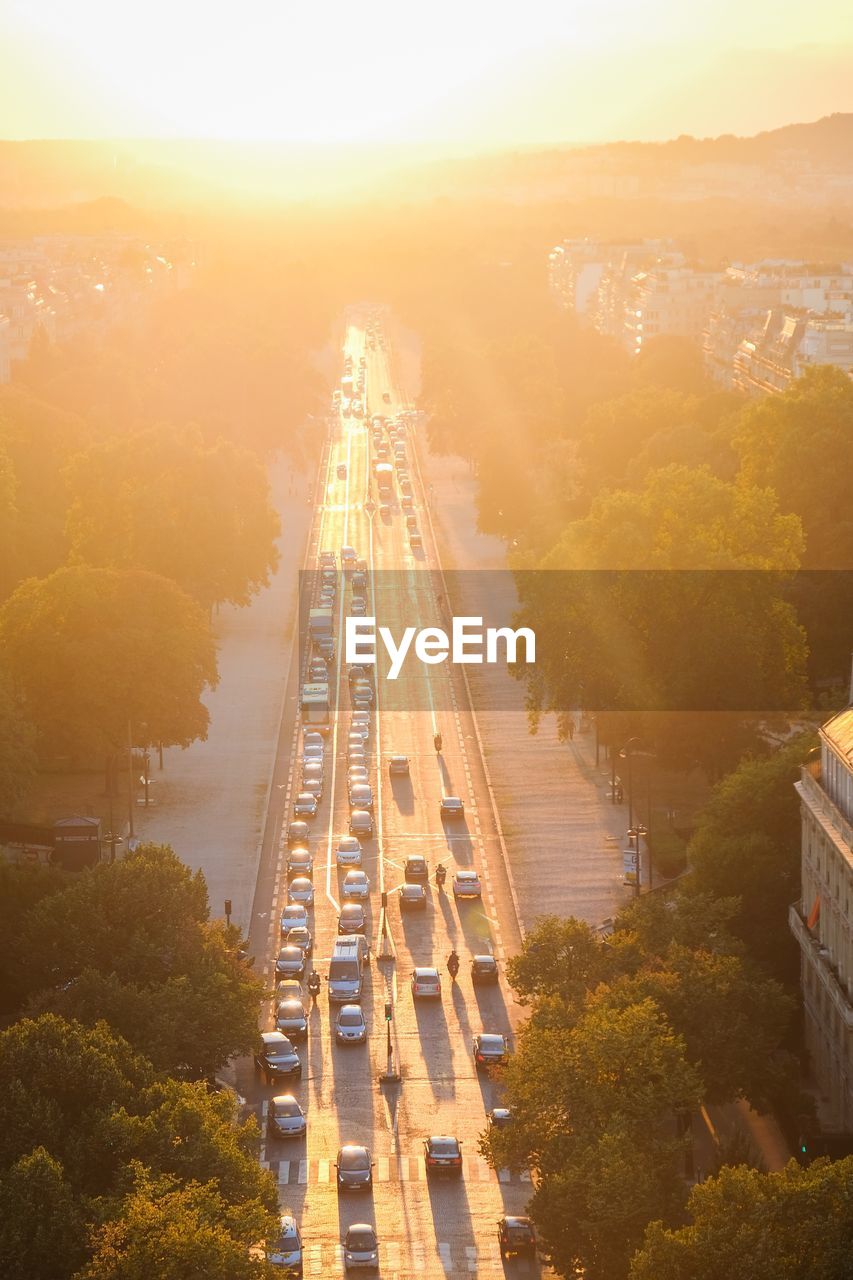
(388, 1169)
(401, 1259)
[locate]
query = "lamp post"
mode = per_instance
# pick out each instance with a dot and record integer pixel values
(634, 834)
(626, 753)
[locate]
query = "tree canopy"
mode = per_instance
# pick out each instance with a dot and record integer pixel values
(96, 650)
(165, 501)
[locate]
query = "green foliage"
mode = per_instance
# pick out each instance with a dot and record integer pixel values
(22, 886)
(801, 444)
(17, 748)
(176, 1232)
(747, 845)
(97, 649)
(42, 1221)
(792, 1225)
(560, 958)
(164, 501)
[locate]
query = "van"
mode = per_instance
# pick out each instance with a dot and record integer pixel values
(346, 968)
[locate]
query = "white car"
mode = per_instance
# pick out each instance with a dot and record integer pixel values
(466, 884)
(356, 885)
(348, 852)
(426, 984)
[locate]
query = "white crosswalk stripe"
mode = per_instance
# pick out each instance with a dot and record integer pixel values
(409, 1259)
(388, 1169)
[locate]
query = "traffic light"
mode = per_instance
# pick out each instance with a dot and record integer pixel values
(388, 1010)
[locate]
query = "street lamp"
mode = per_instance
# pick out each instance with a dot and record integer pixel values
(626, 753)
(634, 834)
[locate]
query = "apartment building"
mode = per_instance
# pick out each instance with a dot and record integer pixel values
(774, 355)
(669, 299)
(577, 270)
(822, 921)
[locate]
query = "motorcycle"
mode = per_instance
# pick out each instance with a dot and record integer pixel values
(453, 965)
(314, 985)
(440, 875)
(437, 742)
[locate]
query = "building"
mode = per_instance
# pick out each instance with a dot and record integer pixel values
(5, 349)
(822, 921)
(767, 361)
(576, 269)
(669, 299)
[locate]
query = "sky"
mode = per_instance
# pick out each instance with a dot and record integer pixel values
(459, 73)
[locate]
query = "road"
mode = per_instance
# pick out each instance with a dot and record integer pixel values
(430, 1229)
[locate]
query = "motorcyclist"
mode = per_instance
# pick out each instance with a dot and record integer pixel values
(440, 875)
(453, 965)
(314, 983)
(437, 742)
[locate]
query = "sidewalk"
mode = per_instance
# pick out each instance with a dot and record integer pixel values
(210, 799)
(565, 839)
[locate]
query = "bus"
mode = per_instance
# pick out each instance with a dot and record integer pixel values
(315, 707)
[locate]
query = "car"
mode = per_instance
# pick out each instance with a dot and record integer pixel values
(499, 1117)
(318, 672)
(277, 1058)
(359, 731)
(348, 852)
(300, 937)
(350, 1026)
(356, 885)
(443, 1155)
(416, 542)
(490, 1050)
(361, 823)
(311, 737)
(411, 522)
(291, 1019)
(312, 786)
(298, 833)
(516, 1237)
(362, 716)
(305, 805)
(341, 471)
(358, 607)
(294, 916)
(386, 396)
(290, 961)
(352, 918)
(325, 646)
(312, 753)
(327, 558)
(452, 807)
(361, 1247)
(484, 969)
(413, 897)
(361, 796)
(466, 883)
(289, 989)
(356, 755)
(300, 889)
(348, 557)
(426, 984)
(398, 766)
(361, 694)
(357, 773)
(407, 502)
(354, 1165)
(285, 1118)
(385, 510)
(313, 767)
(326, 599)
(299, 863)
(286, 1250)
(359, 581)
(356, 672)
(416, 869)
(406, 488)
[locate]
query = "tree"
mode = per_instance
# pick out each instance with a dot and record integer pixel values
(22, 886)
(17, 748)
(42, 1221)
(560, 958)
(165, 501)
(793, 1225)
(801, 444)
(592, 1110)
(98, 650)
(747, 845)
(175, 1232)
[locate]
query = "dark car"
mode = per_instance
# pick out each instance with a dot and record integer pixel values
(413, 897)
(484, 969)
(290, 962)
(416, 869)
(285, 1118)
(341, 471)
(277, 1058)
(290, 1019)
(516, 1237)
(361, 823)
(443, 1155)
(299, 863)
(452, 807)
(361, 796)
(298, 833)
(355, 1169)
(352, 918)
(305, 805)
(490, 1050)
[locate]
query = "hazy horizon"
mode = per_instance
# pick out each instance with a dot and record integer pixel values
(461, 77)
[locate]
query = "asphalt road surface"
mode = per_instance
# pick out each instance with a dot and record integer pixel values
(429, 1228)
